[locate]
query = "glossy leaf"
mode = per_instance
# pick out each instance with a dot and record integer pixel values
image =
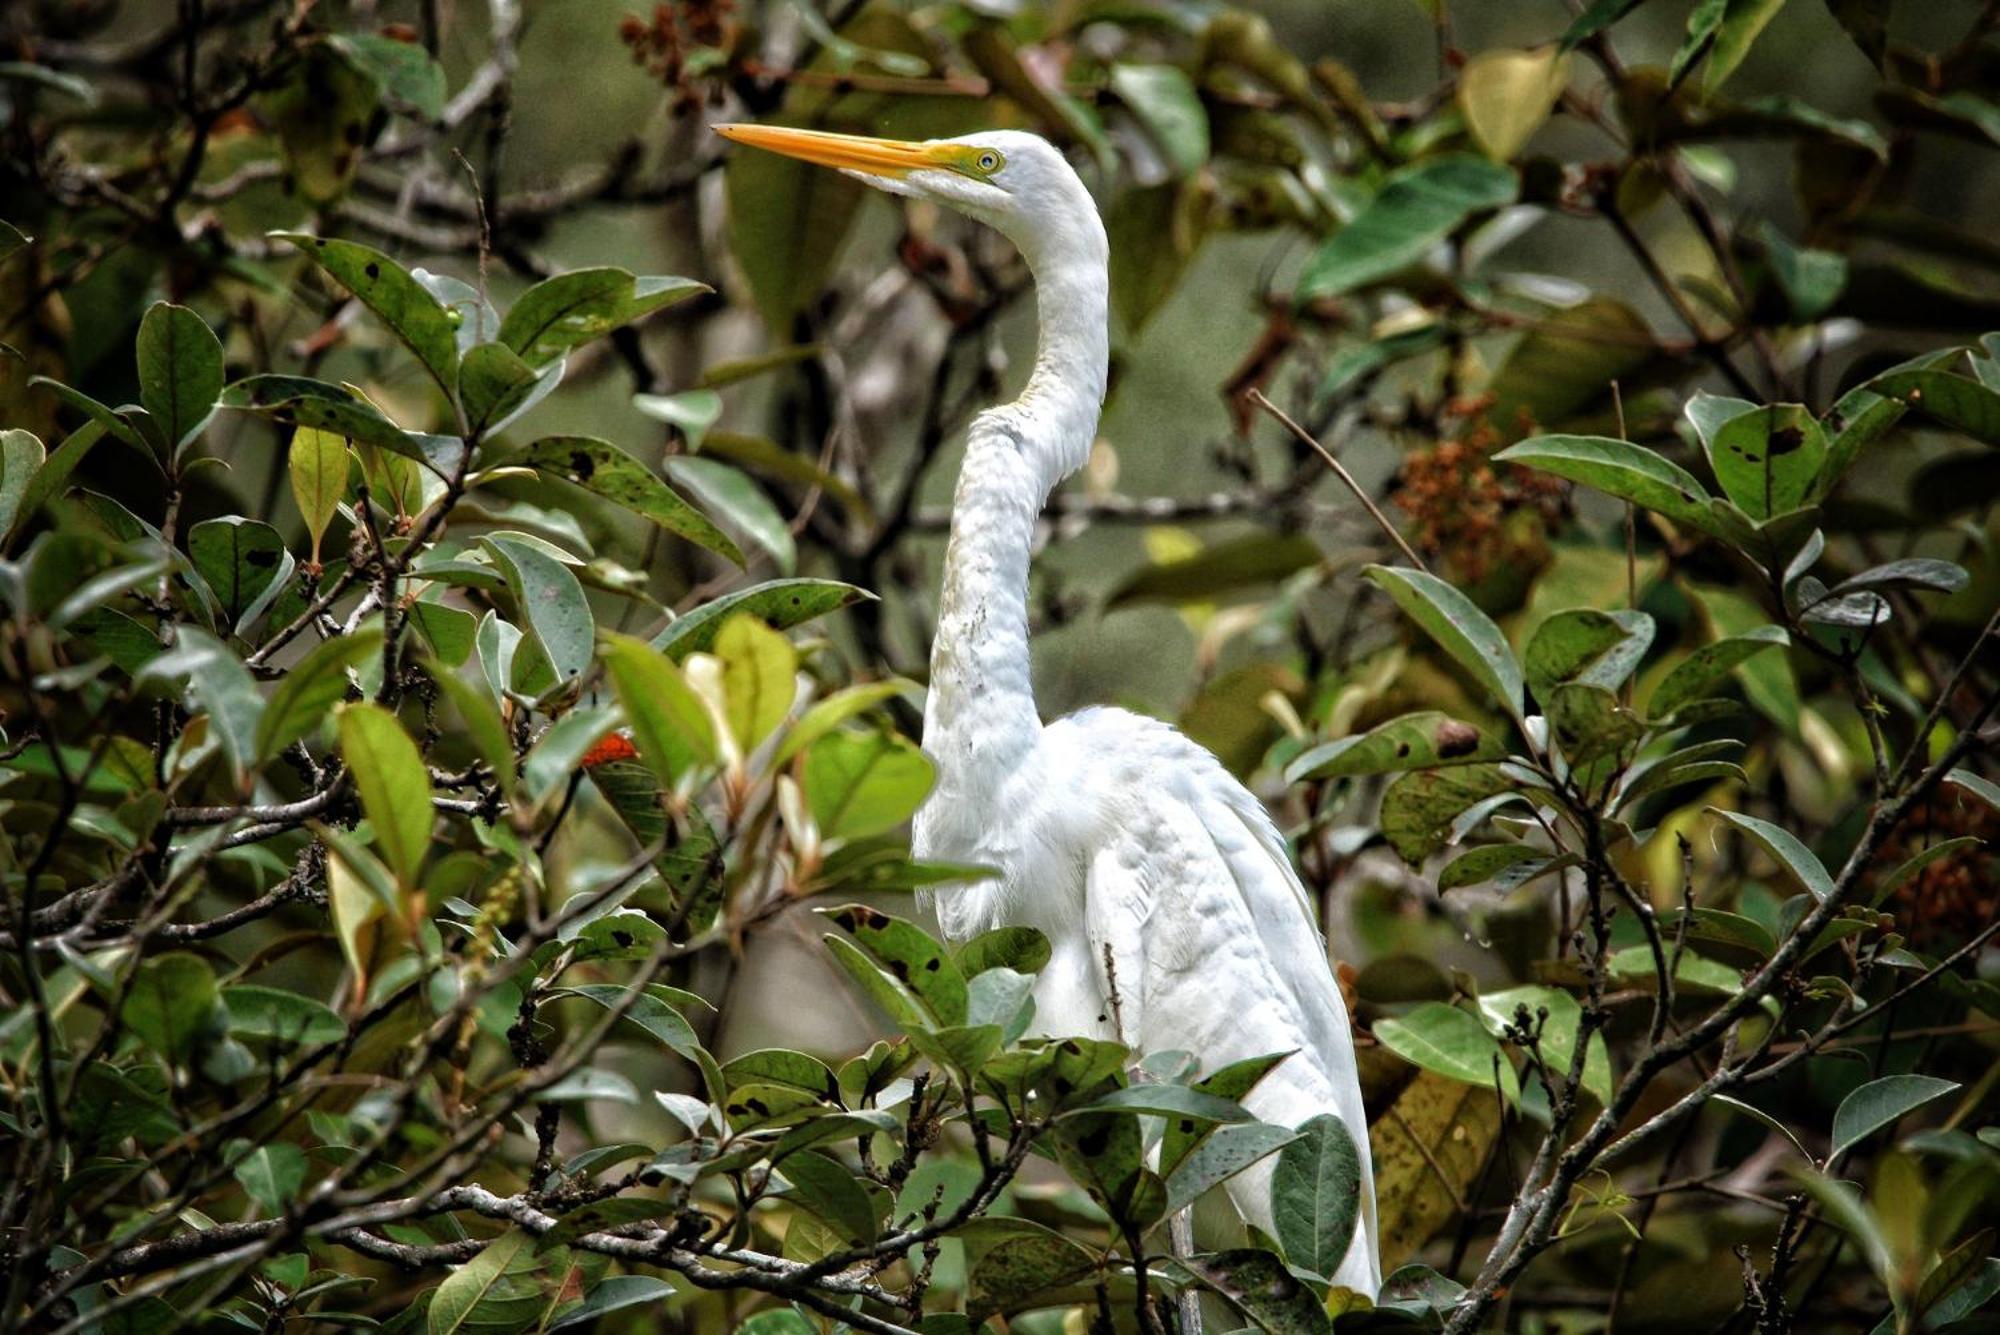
(570, 309)
(1414, 741)
(1458, 627)
(1707, 667)
(912, 955)
(1316, 1194)
(863, 783)
(494, 1288)
(551, 600)
(1563, 1016)
(1619, 468)
(313, 686)
(280, 1015)
(388, 771)
(731, 493)
(494, 385)
(1588, 646)
(223, 686)
(1960, 403)
(172, 1004)
(757, 678)
(180, 372)
(271, 1175)
(1164, 101)
(781, 604)
(398, 300)
(1450, 1042)
(238, 558)
(1785, 848)
(1417, 207)
(1768, 459)
(1881, 1102)
(318, 466)
(601, 467)
(669, 723)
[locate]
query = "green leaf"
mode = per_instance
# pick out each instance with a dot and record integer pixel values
(1316, 1194)
(830, 1191)
(1618, 468)
(1163, 99)
(1165, 1100)
(395, 788)
(560, 313)
(912, 956)
(758, 667)
(779, 603)
(1982, 788)
(313, 686)
(1450, 1042)
(649, 1010)
(670, 725)
(1588, 722)
(324, 407)
(1231, 1082)
(172, 1005)
(1227, 567)
(1881, 1102)
(359, 890)
(1220, 1155)
(1738, 28)
(558, 753)
(1507, 95)
(1417, 207)
(224, 687)
(1701, 26)
(892, 995)
(45, 480)
(1785, 848)
(12, 240)
(180, 372)
(96, 412)
(1704, 669)
(1009, 1262)
(1566, 361)
(238, 558)
(396, 298)
(1588, 646)
(1958, 402)
(402, 69)
(1507, 866)
(1414, 741)
(21, 458)
(735, 495)
(494, 385)
(1768, 459)
(1459, 628)
(1022, 949)
(495, 1289)
(271, 1175)
(1812, 279)
(1257, 1284)
(601, 467)
(287, 1017)
(862, 783)
(1600, 15)
(318, 465)
(483, 725)
(550, 599)
(1418, 809)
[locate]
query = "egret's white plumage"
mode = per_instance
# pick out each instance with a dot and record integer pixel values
(1115, 836)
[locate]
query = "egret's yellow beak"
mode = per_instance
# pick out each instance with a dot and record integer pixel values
(849, 152)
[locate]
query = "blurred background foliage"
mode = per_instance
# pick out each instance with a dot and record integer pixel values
(1429, 231)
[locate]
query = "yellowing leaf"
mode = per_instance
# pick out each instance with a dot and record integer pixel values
(318, 466)
(757, 678)
(395, 788)
(1506, 95)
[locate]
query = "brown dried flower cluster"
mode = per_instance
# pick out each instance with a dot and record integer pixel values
(1462, 503)
(665, 43)
(1959, 893)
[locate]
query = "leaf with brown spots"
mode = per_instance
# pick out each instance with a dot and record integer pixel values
(601, 467)
(1429, 1148)
(1422, 740)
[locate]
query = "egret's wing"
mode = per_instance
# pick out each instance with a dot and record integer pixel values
(1216, 949)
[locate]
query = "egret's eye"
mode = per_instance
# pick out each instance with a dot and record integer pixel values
(989, 162)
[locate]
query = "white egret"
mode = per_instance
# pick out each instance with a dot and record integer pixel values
(1116, 837)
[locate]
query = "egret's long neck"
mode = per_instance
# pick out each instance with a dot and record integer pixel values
(981, 717)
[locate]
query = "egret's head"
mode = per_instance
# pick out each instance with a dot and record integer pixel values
(1014, 182)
